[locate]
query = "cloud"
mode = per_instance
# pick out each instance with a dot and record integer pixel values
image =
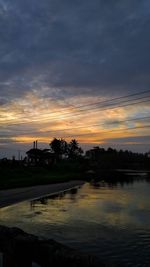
(74, 47)
(130, 140)
(57, 54)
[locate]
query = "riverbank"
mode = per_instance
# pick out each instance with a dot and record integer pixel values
(21, 176)
(13, 196)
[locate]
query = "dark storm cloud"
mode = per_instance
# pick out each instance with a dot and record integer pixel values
(75, 47)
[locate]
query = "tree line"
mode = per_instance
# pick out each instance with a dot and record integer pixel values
(112, 158)
(70, 150)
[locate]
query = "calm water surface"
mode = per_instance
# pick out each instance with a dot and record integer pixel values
(109, 221)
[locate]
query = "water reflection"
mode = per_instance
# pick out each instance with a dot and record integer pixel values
(71, 194)
(122, 180)
(106, 219)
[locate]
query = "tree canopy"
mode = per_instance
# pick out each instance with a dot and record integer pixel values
(60, 147)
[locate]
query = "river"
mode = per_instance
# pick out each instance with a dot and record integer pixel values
(110, 221)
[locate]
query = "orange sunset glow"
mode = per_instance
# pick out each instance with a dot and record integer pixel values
(76, 72)
(33, 117)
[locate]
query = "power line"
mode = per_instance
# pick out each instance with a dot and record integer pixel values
(112, 99)
(108, 131)
(104, 101)
(79, 112)
(105, 107)
(103, 132)
(98, 133)
(91, 125)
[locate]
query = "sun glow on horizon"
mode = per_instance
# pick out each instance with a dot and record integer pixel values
(30, 118)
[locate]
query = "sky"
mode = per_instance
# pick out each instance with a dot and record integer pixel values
(74, 69)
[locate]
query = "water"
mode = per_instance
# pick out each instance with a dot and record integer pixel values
(109, 221)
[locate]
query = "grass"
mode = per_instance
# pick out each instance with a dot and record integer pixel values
(12, 176)
(20, 176)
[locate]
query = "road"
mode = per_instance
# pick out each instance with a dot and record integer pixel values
(12, 196)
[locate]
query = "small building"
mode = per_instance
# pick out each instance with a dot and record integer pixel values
(48, 157)
(40, 157)
(34, 156)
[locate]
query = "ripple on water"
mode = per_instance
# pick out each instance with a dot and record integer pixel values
(112, 223)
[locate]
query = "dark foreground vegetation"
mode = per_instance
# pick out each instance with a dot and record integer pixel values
(19, 175)
(21, 249)
(64, 162)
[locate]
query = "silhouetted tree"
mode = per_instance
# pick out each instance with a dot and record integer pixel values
(95, 153)
(74, 150)
(59, 147)
(111, 158)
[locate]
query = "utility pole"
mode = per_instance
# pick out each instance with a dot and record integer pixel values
(19, 155)
(34, 145)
